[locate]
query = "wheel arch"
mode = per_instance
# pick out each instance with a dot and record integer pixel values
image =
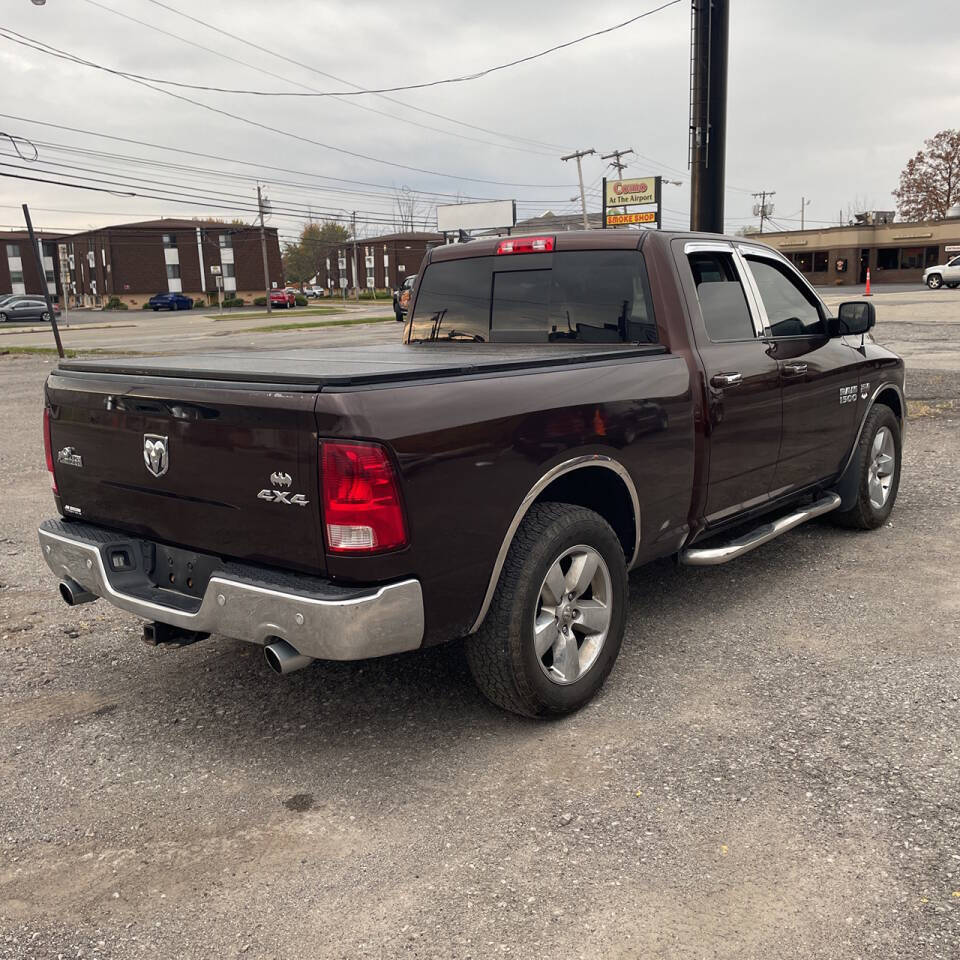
(597, 482)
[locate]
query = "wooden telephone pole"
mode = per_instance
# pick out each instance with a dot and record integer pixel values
(578, 156)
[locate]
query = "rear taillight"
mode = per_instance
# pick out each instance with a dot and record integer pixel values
(48, 447)
(526, 245)
(362, 512)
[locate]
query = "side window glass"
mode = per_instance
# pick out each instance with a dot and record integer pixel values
(723, 302)
(790, 308)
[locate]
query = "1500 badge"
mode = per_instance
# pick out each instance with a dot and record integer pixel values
(282, 496)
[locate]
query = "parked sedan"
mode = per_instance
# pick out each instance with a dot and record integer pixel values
(169, 301)
(401, 297)
(943, 274)
(283, 298)
(25, 308)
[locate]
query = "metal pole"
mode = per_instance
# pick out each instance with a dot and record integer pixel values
(38, 256)
(263, 250)
(708, 113)
(356, 279)
(578, 156)
(603, 209)
(803, 204)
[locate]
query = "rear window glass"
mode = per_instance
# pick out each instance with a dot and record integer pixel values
(594, 296)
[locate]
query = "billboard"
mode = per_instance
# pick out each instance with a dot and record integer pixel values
(632, 192)
(487, 215)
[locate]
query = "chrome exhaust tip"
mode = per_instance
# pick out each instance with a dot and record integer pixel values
(283, 657)
(73, 594)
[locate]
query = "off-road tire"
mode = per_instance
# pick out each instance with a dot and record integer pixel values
(501, 653)
(934, 281)
(863, 515)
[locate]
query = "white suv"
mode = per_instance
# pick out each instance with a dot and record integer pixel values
(947, 273)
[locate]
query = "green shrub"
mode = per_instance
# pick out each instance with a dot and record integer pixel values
(300, 300)
(233, 302)
(259, 301)
(115, 303)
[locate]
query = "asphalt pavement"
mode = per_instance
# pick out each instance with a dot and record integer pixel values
(771, 772)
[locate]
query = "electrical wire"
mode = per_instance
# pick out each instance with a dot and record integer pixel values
(399, 88)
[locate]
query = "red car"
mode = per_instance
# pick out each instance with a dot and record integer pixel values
(282, 298)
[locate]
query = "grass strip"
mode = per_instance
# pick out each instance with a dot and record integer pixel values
(302, 311)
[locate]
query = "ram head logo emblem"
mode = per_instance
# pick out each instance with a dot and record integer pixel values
(281, 479)
(155, 454)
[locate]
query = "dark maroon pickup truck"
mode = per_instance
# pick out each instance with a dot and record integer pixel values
(561, 410)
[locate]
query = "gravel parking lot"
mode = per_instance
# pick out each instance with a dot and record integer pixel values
(772, 770)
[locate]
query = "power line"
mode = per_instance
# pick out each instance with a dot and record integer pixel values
(465, 78)
(221, 31)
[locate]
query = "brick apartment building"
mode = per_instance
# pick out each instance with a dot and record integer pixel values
(382, 262)
(18, 265)
(133, 261)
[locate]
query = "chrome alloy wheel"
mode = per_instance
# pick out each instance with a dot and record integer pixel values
(881, 468)
(573, 613)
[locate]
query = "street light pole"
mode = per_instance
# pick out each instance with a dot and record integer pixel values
(356, 279)
(263, 249)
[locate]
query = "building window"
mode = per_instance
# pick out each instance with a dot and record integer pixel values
(229, 270)
(911, 258)
(169, 241)
(173, 271)
(226, 240)
(13, 249)
(821, 261)
(888, 259)
(16, 276)
(933, 256)
(91, 259)
(803, 262)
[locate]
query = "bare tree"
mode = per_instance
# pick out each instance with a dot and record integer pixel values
(930, 182)
(410, 210)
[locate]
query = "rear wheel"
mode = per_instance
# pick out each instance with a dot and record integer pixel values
(556, 622)
(934, 281)
(878, 463)
(45, 316)
(953, 285)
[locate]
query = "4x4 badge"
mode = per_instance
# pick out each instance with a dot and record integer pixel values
(156, 456)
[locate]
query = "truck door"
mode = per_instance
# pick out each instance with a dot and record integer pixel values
(819, 376)
(742, 380)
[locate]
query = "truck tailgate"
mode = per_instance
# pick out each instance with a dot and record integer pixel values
(228, 469)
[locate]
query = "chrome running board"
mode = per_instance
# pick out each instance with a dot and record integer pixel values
(710, 556)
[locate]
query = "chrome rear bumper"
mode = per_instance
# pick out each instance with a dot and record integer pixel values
(321, 619)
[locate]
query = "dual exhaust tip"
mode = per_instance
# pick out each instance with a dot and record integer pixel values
(281, 657)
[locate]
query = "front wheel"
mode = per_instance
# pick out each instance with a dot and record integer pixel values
(878, 464)
(398, 315)
(556, 622)
(934, 281)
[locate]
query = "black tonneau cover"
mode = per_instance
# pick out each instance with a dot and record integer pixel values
(315, 369)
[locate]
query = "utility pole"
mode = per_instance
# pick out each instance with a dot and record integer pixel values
(263, 249)
(709, 35)
(617, 163)
(38, 257)
(578, 156)
(803, 210)
(761, 207)
(356, 279)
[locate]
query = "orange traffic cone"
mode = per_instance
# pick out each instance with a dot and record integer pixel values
(866, 292)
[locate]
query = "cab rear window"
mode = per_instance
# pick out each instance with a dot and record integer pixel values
(594, 296)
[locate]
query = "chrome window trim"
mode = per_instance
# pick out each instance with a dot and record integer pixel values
(768, 253)
(746, 281)
(568, 466)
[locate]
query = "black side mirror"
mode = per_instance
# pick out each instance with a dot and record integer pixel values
(853, 319)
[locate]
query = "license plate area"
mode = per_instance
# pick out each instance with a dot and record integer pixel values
(183, 571)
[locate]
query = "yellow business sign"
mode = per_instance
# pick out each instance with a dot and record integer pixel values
(629, 193)
(620, 219)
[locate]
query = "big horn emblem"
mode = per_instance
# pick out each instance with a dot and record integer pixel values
(155, 454)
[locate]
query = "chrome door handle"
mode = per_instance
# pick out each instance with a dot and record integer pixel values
(725, 379)
(795, 369)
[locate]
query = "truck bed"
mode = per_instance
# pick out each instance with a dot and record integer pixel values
(312, 370)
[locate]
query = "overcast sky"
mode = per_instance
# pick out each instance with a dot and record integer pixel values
(826, 100)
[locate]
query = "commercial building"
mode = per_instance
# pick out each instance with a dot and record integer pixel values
(18, 265)
(133, 261)
(382, 262)
(894, 252)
